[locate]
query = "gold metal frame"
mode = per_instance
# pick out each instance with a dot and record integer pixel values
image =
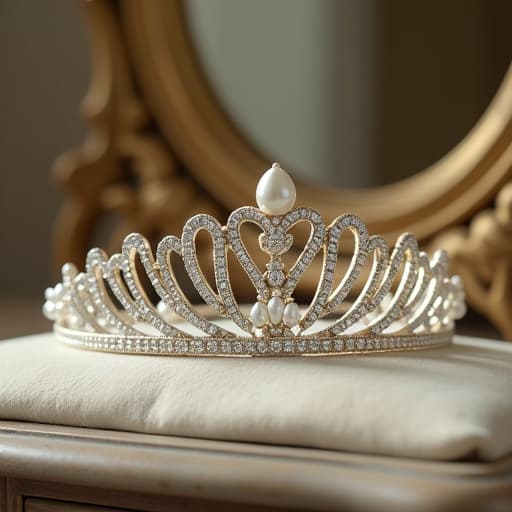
(145, 71)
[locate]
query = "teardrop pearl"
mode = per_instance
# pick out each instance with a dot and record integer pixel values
(291, 314)
(275, 193)
(275, 309)
(259, 315)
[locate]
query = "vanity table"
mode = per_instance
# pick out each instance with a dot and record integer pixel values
(65, 469)
(56, 469)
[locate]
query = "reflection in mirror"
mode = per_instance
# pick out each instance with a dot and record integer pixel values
(353, 93)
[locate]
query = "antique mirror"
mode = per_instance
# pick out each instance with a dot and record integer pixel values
(399, 112)
(352, 94)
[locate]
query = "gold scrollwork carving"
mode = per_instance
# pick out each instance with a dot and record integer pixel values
(482, 255)
(123, 166)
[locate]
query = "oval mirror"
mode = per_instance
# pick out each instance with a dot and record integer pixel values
(402, 94)
(354, 93)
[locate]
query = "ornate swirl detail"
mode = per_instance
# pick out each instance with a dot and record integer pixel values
(407, 300)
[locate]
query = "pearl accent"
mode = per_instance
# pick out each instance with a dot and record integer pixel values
(259, 315)
(69, 271)
(291, 314)
(49, 310)
(275, 309)
(275, 193)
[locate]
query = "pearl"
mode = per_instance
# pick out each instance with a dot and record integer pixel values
(58, 291)
(275, 309)
(49, 294)
(291, 314)
(69, 271)
(49, 310)
(259, 315)
(275, 193)
(60, 309)
(456, 281)
(162, 308)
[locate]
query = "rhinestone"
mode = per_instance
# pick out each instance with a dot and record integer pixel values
(288, 346)
(211, 346)
(314, 345)
(301, 345)
(182, 346)
(276, 346)
(262, 347)
(275, 278)
(250, 347)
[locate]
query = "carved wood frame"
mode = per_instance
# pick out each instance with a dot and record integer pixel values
(163, 124)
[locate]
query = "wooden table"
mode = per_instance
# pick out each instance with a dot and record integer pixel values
(47, 468)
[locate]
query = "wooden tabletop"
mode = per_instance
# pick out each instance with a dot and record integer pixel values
(276, 476)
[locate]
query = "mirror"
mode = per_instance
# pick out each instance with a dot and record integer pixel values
(353, 93)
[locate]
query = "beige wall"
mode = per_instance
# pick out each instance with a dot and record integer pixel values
(44, 73)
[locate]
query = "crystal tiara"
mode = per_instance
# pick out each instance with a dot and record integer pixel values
(407, 301)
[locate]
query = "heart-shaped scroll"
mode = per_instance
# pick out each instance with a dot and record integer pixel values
(376, 245)
(133, 245)
(431, 290)
(235, 221)
(275, 240)
(223, 303)
(98, 269)
(323, 298)
(174, 297)
(406, 252)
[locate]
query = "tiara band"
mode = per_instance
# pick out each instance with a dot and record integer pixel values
(407, 302)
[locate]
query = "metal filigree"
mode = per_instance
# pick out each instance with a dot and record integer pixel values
(408, 301)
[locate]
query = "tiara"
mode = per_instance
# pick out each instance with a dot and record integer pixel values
(407, 300)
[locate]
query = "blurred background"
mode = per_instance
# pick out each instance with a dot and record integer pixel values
(345, 92)
(45, 73)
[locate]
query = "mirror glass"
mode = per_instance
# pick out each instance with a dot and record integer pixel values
(353, 93)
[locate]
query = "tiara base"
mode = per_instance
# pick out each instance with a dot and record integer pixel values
(244, 346)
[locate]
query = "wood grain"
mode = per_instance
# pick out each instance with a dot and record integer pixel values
(99, 467)
(38, 505)
(3, 494)
(64, 498)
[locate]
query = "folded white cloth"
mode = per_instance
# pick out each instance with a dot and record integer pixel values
(440, 404)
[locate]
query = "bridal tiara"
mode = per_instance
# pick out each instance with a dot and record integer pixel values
(407, 301)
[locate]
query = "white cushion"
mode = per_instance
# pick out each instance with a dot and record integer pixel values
(443, 404)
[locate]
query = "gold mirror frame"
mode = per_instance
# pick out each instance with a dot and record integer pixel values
(182, 102)
(151, 110)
